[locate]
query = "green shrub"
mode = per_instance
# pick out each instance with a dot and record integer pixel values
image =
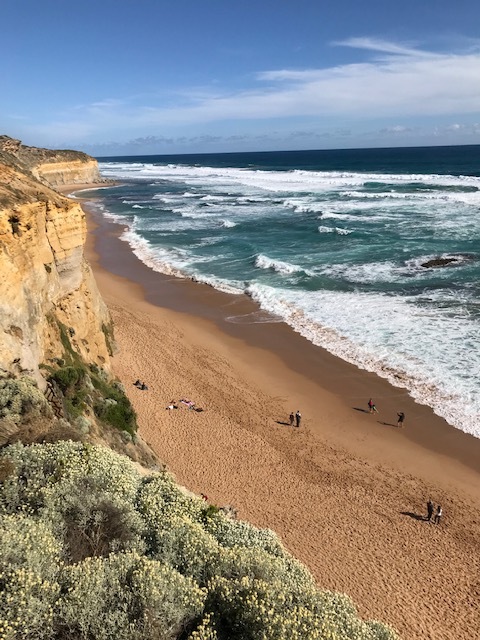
(205, 630)
(45, 474)
(109, 339)
(69, 378)
(70, 355)
(21, 400)
(112, 405)
(120, 415)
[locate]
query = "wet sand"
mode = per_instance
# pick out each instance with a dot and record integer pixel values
(347, 491)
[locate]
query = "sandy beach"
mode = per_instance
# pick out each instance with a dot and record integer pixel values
(347, 491)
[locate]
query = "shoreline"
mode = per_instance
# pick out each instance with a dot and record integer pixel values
(325, 487)
(423, 426)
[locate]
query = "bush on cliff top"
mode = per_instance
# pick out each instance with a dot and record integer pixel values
(90, 549)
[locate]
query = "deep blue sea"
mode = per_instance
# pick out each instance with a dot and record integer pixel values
(335, 243)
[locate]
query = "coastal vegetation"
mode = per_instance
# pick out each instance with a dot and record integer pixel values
(92, 549)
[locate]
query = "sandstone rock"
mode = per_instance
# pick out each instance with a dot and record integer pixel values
(45, 281)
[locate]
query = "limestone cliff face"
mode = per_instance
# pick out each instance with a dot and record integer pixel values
(46, 286)
(68, 172)
(54, 168)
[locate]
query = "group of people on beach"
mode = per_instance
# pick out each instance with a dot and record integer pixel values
(295, 418)
(430, 510)
(190, 404)
(372, 408)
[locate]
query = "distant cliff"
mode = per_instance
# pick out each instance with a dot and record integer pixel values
(45, 282)
(54, 168)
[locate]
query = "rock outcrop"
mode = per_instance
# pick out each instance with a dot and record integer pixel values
(46, 286)
(54, 168)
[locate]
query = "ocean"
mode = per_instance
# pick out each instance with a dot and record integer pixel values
(372, 254)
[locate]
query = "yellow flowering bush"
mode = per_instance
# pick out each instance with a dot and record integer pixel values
(159, 499)
(126, 596)
(30, 558)
(233, 533)
(258, 610)
(185, 545)
(21, 399)
(91, 550)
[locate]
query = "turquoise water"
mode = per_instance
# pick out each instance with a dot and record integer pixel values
(334, 243)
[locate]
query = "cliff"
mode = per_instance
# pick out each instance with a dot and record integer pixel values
(46, 286)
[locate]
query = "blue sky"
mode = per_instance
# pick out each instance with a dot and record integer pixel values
(115, 77)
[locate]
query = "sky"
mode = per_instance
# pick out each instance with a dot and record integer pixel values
(124, 77)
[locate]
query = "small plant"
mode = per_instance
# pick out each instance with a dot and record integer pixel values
(109, 339)
(113, 406)
(69, 378)
(21, 400)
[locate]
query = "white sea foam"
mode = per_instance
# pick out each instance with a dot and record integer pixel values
(322, 229)
(331, 215)
(98, 206)
(228, 224)
(384, 335)
(337, 230)
(286, 268)
(285, 181)
(175, 263)
(371, 272)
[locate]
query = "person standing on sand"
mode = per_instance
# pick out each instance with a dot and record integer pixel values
(292, 418)
(401, 419)
(370, 406)
(429, 510)
(298, 418)
(438, 515)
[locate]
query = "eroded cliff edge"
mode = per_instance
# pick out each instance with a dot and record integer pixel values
(46, 285)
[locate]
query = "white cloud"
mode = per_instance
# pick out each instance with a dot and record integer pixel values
(383, 46)
(397, 82)
(405, 82)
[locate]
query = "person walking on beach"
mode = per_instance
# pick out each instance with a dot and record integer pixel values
(401, 419)
(292, 418)
(370, 406)
(438, 515)
(429, 510)
(298, 418)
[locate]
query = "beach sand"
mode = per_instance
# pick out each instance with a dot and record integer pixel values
(347, 491)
